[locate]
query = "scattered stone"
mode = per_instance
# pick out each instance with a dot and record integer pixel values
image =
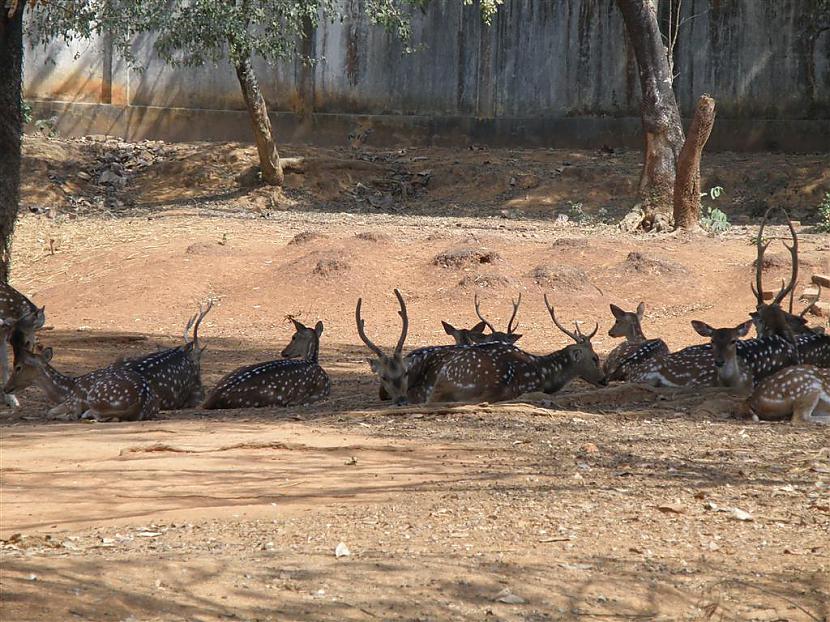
(509, 598)
(821, 279)
(341, 550)
(741, 515)
(373, 236)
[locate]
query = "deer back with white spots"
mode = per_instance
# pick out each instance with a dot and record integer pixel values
(498, 371)
(636, 349)
(101, 395)
(800, 391)
(17, 314)
(175, 373)
(295, 380)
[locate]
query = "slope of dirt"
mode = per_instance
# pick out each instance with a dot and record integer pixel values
(620, 503)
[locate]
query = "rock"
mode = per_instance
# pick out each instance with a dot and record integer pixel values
(506, 596)
(84, 175)
(111, 178)
(821, 279)
(342, 550)
(811, 292)
(741, 515)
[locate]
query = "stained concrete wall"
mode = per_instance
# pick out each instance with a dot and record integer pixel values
(559, 67)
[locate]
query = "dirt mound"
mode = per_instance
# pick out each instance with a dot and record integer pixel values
(306, 236)
(373, 236)
(640, 263)
(485, 281)
(466, 256)
(559, 276)
(330, 266)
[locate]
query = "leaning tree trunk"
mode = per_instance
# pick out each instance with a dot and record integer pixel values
(269, 158)
(11, 125)
(662, 129)
(687, 180)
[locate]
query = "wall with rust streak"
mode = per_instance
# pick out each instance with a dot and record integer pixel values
(540, 59)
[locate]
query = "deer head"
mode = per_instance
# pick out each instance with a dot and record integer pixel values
(28, 365)
(391, 370)
(305, 343)
(466, 336)
(583, 360)
(510, 335)
(770, 318)
(724, 340)
(627, 324)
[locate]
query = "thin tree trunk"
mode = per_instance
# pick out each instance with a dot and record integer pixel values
(662, 129)
(11, 126)
(269, 158)
(687, 180)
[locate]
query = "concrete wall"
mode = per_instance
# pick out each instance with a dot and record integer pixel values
(545, 72)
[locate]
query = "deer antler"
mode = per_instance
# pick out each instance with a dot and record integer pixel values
(201, 316)
(481, 317)
(404, 323)
(577, 336)
(360, 330)
(794, 259)
(510, 328)
(758, 288)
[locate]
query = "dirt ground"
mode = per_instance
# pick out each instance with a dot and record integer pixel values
(619, 503)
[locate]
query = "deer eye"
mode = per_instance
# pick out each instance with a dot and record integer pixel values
(18, 368)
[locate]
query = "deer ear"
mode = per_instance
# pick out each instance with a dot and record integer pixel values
(512, 338)
(743, 329)
(318, 328)
(298, 326)
(47, 354)
(641, 309)
(702, 328)
(617, 312)
(448, 328)
(479, 328)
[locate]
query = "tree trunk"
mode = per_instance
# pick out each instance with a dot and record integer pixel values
(11, 126)
(687, 180)
(269, 158)
(662, 129)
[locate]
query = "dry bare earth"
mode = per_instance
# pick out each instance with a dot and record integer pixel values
(613, 504)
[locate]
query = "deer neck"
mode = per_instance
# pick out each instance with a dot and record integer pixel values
(635, 335)
(557, 370)
(733, 372)
(313, 350)
(56, 385)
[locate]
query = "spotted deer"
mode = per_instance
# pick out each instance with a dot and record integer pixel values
(636, 349)
(101, 395)
(496, 372)
(756, 358)
(390, 369)
(800, 391)
(17, 313)
(770, 318)
(731, 370)
(508, 336)
(295, 380)
(466, 336)
(174, 374)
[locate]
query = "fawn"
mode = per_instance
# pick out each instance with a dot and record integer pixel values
(174, 374)
(286, 382)
(101, 395)
(635, 350)
(17, 313)
(802, 391)
(497, 371)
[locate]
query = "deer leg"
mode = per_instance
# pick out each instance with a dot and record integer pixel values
(804, 406)
(64, 408)
(10, 400)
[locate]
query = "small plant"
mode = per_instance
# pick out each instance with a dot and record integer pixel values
(26, 111)
(823, 225)
(714, 220)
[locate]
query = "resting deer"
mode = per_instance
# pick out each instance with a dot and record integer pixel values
(802, 391)
(286, 382)
(731, 370)
(496, 372)
(17, 313)
(510, 335)
(754, 358)
(466, 336)
(174, 374)
(770, 318)
(390, 369)
(635, 350)
(101, 395)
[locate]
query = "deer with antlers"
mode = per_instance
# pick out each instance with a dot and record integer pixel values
(102, 395)
(297, 379)
(498, 371)
(635, 350)
(174, 374)
(17, 313)
(800, 391)
(390, 369)
(510, 335)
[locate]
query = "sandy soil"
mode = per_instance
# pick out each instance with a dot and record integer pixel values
(612, 504)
